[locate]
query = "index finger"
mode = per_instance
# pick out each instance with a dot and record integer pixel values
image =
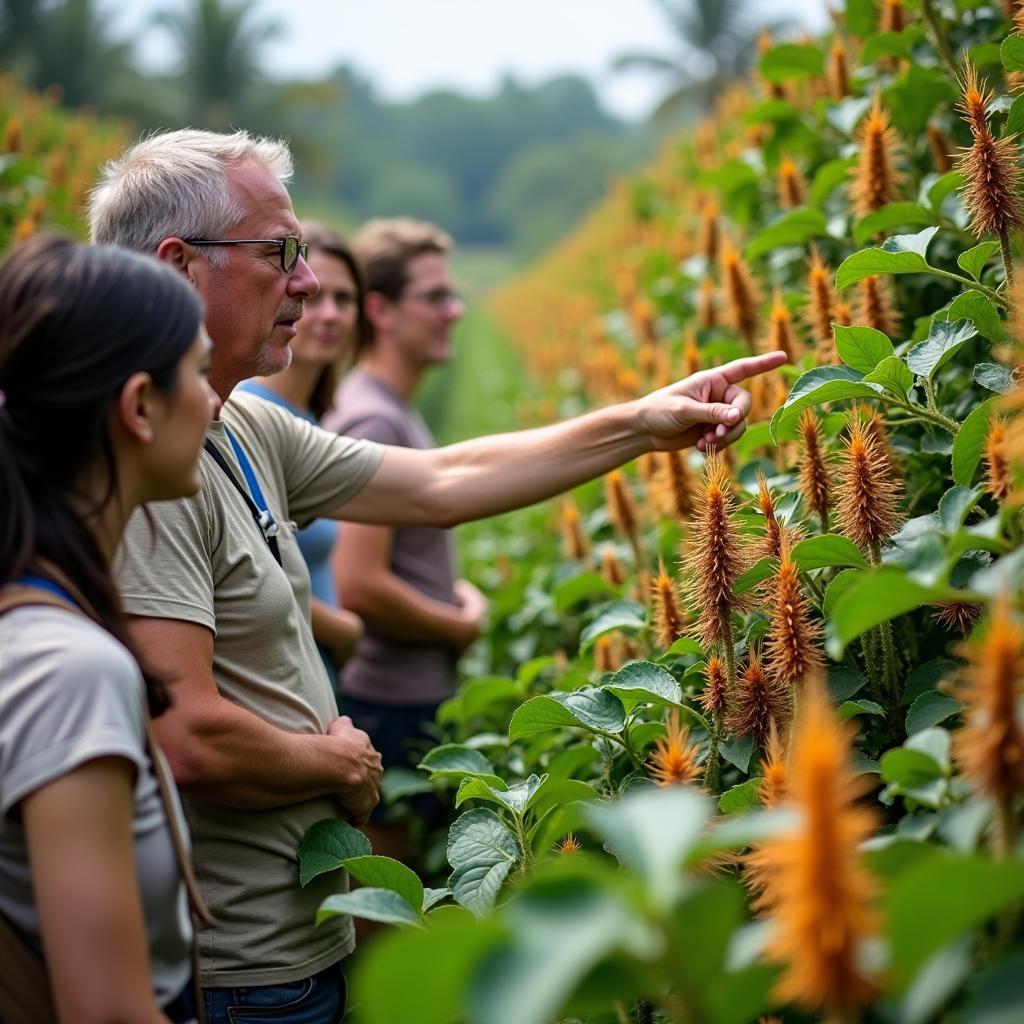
(751, 366)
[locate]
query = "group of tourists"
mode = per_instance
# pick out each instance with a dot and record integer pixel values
(176, 614)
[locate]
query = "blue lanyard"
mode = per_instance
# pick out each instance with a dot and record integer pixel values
(30, 579)
(266, 519)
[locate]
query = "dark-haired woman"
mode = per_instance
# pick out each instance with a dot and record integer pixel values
(329, 336)
(104, 404)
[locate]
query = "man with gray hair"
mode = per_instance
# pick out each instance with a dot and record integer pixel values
(219, 591)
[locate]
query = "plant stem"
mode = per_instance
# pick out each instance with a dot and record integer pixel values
(968, 283)
(1006, 828)
(1004, 251)
(885, 636)
(812, 586)
(938, 33)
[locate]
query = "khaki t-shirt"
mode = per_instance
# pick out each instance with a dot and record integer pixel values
(205, 561)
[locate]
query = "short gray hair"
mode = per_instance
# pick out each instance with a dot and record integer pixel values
(174, 184)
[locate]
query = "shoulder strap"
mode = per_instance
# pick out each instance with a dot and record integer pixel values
(17, 595)
(261, 516)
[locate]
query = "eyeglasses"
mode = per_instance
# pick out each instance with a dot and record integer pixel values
(291, 248)
(440, 298)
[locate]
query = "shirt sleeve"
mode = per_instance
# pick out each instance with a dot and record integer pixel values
(74, 700)
(164, 566)
(378, 428)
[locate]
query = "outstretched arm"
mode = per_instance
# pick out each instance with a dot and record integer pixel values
(473, 479)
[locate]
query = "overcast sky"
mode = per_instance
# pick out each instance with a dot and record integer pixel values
(409, 46)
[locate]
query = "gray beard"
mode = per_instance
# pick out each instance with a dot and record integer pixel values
(265, 365)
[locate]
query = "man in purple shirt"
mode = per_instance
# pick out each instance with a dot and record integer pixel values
(402, 581)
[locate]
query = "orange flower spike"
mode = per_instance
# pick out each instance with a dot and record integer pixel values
(867, 499)
(715, 696)
(817, 891)
(666, 614)
(781, 336)
(838, 71)
(612, 571)
(876, 308)
(792, 186)
(997, 467)
(759, 703)
(716, 558)
(992, 192)
(674, 760)
(874, 427)
(894, 16)
(606, 656)
(677, 485)
(574, 542)
(772, 545)
(710, 232)
(707, 310)
(569, 845)
(820, 299)
(941, 147)
(691, 354)
(792, 647)
(990, 747)
(815, 480)
(741, 298)
(876, 180)
(621, 508)
(773, 770)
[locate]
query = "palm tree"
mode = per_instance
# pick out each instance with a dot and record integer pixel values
(219, 44)
(717, 45)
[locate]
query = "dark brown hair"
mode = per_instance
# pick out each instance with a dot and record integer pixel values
(386, 246)
(75, 323)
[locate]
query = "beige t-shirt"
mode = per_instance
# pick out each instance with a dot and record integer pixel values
(205, 561)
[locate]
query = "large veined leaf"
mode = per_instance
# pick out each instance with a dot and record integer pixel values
(387, 873)
(969, 444)
(327, 845)
(383, 905)
(861, 348)
(978, 308)
(517, 799)
(791, 61)
(892, 215)
(894, 375)
(628, 616)
(642, 682)
(901, 254)
(454, 760)
(974, 259)
(817, 386)
(944, 339)
(1011, 52)
(589, 708)
(481, 851)
(994, 376)
(796, 227)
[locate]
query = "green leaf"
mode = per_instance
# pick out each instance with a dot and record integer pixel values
(828, 178)
(892, 215)
(484, 695)
(741, 798)
(1004, 576)
(399, 782)
(628, 616)
(956, 505)
(827, 550)
(973, 890)
(927, 677)
(912, 99)
(950, 182)
(877, 596)
(934, 742)
(579, 588)
(481, 851)
(861, 17)
(840, 583)
(861, 348)
(797, 227)
(327, 845)
(454, 760)
(901, 254)
(944, 339)
(436, 965)
(929, 709)
(994, 376)
(845, 115)
(1015, 118)
(844, 682)
(382, 905)
(761, 570)
(974, 306)
(910, 769)
(894, 375)
(1011, 52)
(386, 873)
(685, 645)
(642, 682)
(969, 443)
(973, 260)
(791, 61)
(589, 708)
(891, 44)
(651, 830)
(997, 997)
(737, 750)
(935, 983)
(431, 897)
(817, 386)
(852, 708)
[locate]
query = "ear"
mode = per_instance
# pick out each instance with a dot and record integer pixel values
(180, 255)
(135, 408)
(378, 309)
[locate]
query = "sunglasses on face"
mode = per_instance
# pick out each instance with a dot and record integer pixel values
(290, 247)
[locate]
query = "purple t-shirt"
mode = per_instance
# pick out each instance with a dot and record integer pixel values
(386, 670)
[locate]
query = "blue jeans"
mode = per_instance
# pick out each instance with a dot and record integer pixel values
(316, 1000)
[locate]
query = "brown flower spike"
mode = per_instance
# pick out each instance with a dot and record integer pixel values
(714, 697)
(674, 761)
(875, 308)
(821, 300)
(781, 336)
(668, 619)
(707, 310)
(838, 71)
(867, 499)
(817, 890)
(941, 147)
(622, 510)
(716, 558)
(998, 482)
(792, 186)
(815, 485)
(992, 193)
(674, 485)
(760, 704)
(742, 302)
(574, 543)
(876, 180)
(792, 648)
(990, 747)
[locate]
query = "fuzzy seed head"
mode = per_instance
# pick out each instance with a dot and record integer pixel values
(876, 179)
(817, 890)
(838, 71)
(742, 301)
(992, 168)
(674, 486)
(716, 558)
(876, 308)
(667, 616)
(710, 233)
(793, 646)
(715, 696)
(894, 17)
(612, 571)
(815, 485)
(820, 300)
(606, 654)
(760, 703)
(998, 481)
(574, 542)
(867, 499)
(707, 311)
(781, 336)
(674, 760)
(621, 508)
(792, 186)
(941, 147)
(569, 845)
(956, 616)
(773, 769)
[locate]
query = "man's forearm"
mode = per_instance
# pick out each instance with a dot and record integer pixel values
(397, 609)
